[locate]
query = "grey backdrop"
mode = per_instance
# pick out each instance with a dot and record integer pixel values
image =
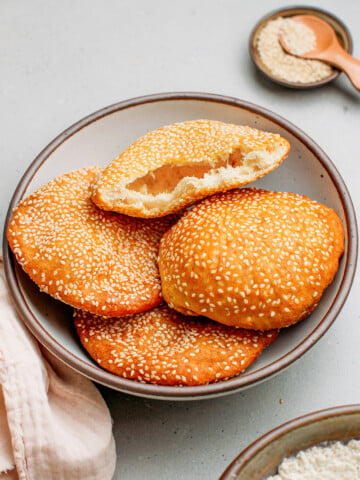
(63, 60)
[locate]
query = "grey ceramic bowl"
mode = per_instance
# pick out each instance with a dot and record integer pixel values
(97, 139)
(262, 457)
(340, 28)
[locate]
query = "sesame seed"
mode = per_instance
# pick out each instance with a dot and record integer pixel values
(265, 272)
(155, 346)
(84, 256)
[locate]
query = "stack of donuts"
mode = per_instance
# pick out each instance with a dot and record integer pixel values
(177, 276)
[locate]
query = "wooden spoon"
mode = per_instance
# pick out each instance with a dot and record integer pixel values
(328, 48)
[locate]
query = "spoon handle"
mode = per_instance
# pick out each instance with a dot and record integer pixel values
(350, 65)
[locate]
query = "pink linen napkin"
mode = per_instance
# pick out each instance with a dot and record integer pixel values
(54, 424)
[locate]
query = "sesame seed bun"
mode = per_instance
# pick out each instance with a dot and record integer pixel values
(170, 168)
(99, 261)
(251, 258)
(163, 347)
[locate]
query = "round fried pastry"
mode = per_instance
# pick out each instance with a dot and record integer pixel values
(163, 347)
(170, 168)
(99, 261)
(251, 258)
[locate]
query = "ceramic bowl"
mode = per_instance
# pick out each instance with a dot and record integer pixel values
(342, 33)
(97, 139)
(261, 458)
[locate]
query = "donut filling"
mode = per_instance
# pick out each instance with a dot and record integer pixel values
(169, 182)
(166, 178)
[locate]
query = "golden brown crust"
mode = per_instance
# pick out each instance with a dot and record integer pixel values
(163, 347)
(83, 256)
(251, 258)
(161, 158)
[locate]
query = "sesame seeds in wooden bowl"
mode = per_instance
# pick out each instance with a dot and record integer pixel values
(283, 68)
(100, 137)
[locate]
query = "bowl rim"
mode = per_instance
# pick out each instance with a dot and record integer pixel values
(262, 442)
(110, 380)
(294, 9)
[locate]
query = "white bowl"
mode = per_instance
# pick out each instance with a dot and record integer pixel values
(96, 140)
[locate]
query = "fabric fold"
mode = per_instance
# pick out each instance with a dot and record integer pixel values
(58, 425)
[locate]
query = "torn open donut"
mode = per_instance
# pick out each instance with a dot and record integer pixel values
(170, 168)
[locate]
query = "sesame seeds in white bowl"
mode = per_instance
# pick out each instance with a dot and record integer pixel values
(99, 138)
(320, 445)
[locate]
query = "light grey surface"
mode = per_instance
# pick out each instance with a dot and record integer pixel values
(63, 60)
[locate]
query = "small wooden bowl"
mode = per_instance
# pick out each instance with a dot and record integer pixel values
(342, 32)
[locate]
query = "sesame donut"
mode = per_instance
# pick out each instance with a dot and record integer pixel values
(251, 258)
(99, 261)
(163, 347)
(170, 168)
